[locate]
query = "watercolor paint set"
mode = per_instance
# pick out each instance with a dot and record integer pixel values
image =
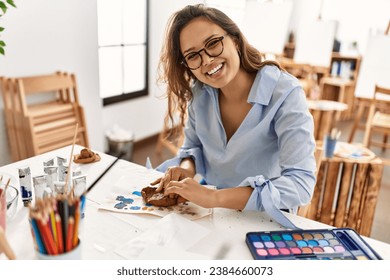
(314, 244)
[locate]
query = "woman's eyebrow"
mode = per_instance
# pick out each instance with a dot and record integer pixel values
(204, 41)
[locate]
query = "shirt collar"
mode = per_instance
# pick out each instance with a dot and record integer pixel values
(264, 85)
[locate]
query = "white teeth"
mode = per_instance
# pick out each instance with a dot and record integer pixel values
(215, 69)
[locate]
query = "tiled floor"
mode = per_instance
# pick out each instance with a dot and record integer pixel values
(381, 224)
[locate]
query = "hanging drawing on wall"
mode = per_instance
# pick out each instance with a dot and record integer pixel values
(266, 25)
(375, 67)
(314, 43)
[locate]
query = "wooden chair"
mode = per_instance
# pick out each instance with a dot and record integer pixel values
(302, 71)
(378, 119)
(171, 142)
(43, 112)
(318, 154)
(10, 121)
(362, 104)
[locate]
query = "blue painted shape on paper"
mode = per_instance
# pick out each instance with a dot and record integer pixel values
(120, 205)
(124, 199)
(137, 193)
(135, 208)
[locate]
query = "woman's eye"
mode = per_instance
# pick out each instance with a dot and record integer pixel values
(191, 56)
(212, 44)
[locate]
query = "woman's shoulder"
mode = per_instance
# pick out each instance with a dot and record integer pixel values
(276, 84)
(281, 76)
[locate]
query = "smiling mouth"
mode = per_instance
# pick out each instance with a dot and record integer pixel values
(216, 69)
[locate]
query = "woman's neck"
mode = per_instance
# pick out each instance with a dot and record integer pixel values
(238, 89)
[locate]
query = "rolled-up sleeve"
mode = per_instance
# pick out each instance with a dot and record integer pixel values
(294, 187)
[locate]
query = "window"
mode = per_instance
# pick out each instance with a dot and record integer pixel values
(123, 49)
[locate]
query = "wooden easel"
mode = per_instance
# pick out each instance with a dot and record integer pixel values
(362, 108)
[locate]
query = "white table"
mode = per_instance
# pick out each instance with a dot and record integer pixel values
(103, 232)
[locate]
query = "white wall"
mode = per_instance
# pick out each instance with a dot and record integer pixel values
(44, 36)
(145, 116)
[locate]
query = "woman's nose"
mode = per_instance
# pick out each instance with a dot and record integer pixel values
(206, 59)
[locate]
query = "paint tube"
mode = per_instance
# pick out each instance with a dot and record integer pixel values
(51, 175)
(25, 184)
(76, 172)
(40, 184)
(62, 171)
(49, 162)
(61, 161)
(59, 187)
(80, 187)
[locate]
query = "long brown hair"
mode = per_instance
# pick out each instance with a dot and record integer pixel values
(179, 78)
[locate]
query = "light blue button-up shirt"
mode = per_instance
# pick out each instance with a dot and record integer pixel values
(272, 151)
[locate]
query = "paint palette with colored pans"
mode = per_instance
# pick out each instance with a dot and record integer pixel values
(322, 244)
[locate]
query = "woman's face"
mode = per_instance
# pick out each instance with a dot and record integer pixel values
(215, 71)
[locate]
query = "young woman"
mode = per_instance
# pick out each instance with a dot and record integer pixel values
(248, 130)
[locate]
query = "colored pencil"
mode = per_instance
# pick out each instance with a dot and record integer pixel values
(53, 226)
(69, 237)
(47, 237)
(64, 213)
(60, 241)
(37, 236)
(76, 224)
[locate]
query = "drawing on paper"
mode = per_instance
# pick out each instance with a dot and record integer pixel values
(133, 203)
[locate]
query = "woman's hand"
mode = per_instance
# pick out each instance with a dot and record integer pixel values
(172, 174)
(191, 190)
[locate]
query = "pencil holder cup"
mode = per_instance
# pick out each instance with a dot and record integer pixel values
(74, 254)
(329, 146)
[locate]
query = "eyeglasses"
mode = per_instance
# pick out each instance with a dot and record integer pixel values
(213, 48)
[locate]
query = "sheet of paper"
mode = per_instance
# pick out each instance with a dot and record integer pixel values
(132, 202)
(155, 252)
(172, 233)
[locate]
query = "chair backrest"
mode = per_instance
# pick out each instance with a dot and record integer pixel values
(63, 85)
(381, 91)
(378, 116)
(41, 122)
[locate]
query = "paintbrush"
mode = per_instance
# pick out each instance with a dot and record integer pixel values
(5, 247)
(70, 159)
(5, 188)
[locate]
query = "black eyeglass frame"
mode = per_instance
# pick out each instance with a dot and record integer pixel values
(219, 39)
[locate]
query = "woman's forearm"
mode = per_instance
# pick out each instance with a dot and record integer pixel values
(233, 198)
